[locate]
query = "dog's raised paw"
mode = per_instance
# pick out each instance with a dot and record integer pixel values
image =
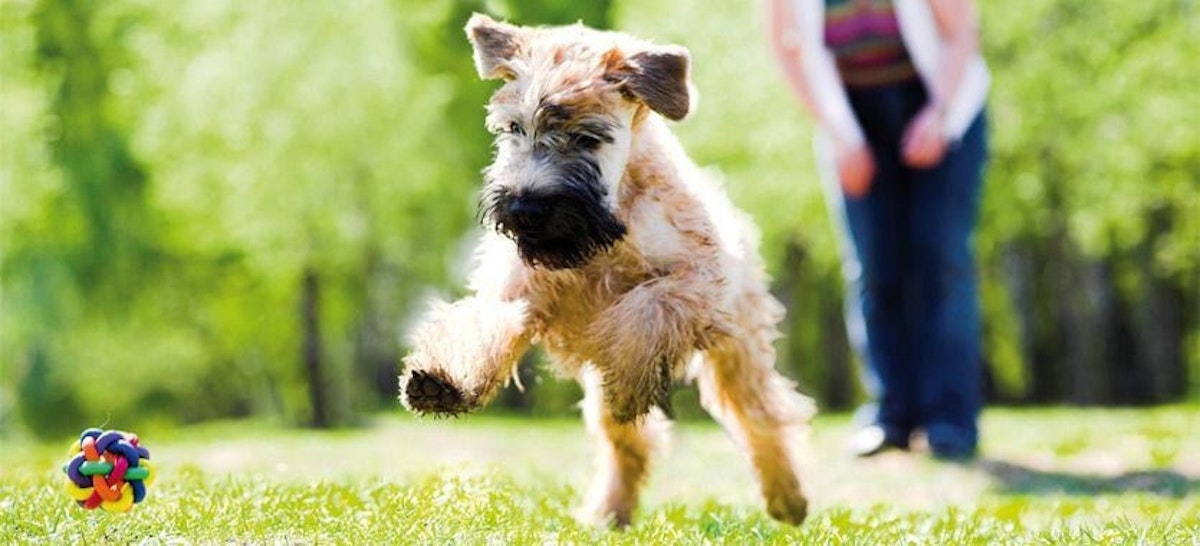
(432, 392)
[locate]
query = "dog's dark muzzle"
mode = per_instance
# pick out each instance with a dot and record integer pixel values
(557, 230)
(528, 216)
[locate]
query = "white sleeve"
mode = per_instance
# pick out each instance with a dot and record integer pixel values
(821, 73)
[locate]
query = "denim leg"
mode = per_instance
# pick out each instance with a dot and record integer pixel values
(943, 308)
(873, 266)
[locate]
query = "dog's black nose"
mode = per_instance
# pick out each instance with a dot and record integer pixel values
(527, 212)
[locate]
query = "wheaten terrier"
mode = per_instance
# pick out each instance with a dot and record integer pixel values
(619, 256)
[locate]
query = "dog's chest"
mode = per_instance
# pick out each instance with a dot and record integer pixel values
(569, 302)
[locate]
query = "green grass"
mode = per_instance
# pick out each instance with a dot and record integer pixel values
(1046, 477)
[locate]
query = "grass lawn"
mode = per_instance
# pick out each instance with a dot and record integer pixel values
(1046, 476)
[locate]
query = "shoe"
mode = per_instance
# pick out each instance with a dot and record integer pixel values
(952, 452)
(951, 442)
(872, 440)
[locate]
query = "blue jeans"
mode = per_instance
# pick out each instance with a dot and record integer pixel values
(912, 295)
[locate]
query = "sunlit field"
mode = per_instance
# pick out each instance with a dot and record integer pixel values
(1059, 475)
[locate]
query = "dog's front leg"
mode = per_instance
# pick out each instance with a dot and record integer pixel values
(646, 338)
(462, 353)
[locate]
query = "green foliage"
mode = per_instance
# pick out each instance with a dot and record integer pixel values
(272, 150)
(1094, 124)
(1095, 161)
(170, 173)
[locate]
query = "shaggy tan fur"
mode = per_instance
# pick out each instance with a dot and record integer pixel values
(684, 285)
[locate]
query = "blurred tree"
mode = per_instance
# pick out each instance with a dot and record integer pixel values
(99, 236)
(1092, 209)
(317, 172)
(226, 208)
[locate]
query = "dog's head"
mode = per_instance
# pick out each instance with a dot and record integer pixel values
(564, 122)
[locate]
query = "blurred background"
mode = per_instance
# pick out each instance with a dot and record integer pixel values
(219, 209)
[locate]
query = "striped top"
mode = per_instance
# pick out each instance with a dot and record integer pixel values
(865, 40)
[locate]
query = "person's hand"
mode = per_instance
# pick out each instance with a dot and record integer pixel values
(923, 144)
(856, 169)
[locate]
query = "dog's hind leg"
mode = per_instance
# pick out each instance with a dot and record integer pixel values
(759, 408)
(623, 458)
(462, 354)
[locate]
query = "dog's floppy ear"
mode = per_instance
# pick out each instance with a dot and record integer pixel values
(659, 77)
(495, 45)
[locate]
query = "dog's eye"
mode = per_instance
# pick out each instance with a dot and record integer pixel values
(587, 142)
(513, 128)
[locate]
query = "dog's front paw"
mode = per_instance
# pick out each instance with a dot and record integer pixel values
(431, 391)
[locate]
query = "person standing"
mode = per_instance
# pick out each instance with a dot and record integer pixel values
(898, 89)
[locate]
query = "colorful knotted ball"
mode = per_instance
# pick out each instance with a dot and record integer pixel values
(108, 469)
